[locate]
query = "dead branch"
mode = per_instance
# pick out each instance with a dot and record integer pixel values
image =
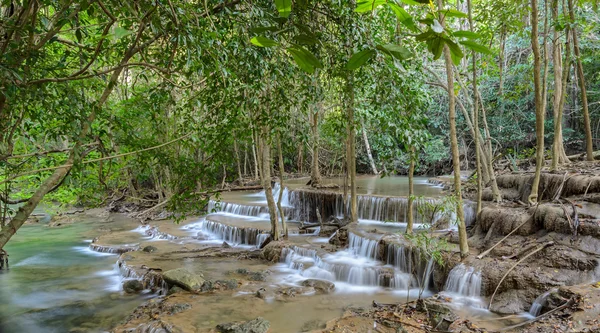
(543, 246)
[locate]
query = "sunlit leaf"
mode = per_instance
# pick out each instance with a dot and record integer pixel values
(403, 16)
(368, 5)
(122, 32)
(476, 47)
(453, 13)
(284, 7)
(263, 41)
(466, 34)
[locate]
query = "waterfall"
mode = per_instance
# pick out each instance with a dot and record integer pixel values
(464, 280)
(236, 209)
(539, 303)
(411, 262)
(363, 247)
(231, 234)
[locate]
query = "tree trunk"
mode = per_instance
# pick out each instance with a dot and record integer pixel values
(539, 104)
(351, 158)
(368, 149)
(476, 111)
(266, 181)
(462, 230)
(254, 153)
(559, 156)
(589, 145)
(74, 156)
(409, 208)
(315, 173)
(238, 161)
(281, 187)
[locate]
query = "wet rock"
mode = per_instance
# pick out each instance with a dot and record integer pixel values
(179, 307)
(175, 290)
(312, 325)
(258, 325)
(321, 286)
(327, 231)
(225, 245)
(272, 252)
(340, 238)
(184, 279)
(219, 285)
(132, 286)
(510, 302)
(265, 294)
(150, 249)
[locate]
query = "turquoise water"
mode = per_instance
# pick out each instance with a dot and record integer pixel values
(56, 284)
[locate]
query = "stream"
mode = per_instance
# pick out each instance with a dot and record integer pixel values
(58, 284)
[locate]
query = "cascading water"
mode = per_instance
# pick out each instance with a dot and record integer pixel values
(539, 303)
(230, 234)
(363, 246)
(464, 284)
(464, 280)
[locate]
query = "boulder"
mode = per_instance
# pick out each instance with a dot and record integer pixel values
(175, 290)
(272, 252)
(150, 249)
(322, 286)
(258, 325)
(132, 286)
(183, 278)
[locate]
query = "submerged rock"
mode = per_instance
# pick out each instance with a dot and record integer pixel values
(322, 286)
(183, 278)
(150, 249)
(258, 325)
(132, 286)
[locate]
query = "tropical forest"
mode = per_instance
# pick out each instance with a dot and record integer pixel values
(283, 166)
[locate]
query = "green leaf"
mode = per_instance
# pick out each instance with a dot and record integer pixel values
(78, 35)
(360, 58)
(368, 5)
(453, 13)
(416, 2)
(122, 32)
(306, 60)
(455, 52)
(396, 51)
(263, 41)
(284, 7)
(476, 47)
(260, 30)
(435, 46)
(403, 16)
(424, 36)
(466, 34)
(305, 39)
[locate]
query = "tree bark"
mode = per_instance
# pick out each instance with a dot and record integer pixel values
(368, 149)
(254, 154)
(315, 173)
(476, 112)
(589, 145)
(238, 161)
(266, 181)
(462, 230)
(559, 156)
(539, 104)
(351, 158)
(281, 187)
(409, 208)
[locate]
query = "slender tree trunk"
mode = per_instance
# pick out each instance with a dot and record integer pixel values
(589, 145)
(476, 111)
(238, 161)
(315, 173)
(559, 156)
(462, 230)
(409, 209)
(281, 187)
(266, 181)
(501, 57)
(368, 149)
(351, 158)
(254, 153)
(539, 104)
